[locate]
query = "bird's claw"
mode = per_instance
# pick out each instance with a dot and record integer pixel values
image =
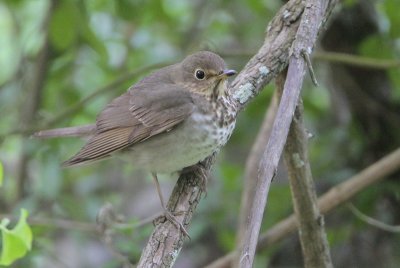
(172, 218)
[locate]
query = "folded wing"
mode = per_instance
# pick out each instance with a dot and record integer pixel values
(137, 115)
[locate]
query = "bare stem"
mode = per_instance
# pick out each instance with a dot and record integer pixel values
(252, 162)
(310, 222)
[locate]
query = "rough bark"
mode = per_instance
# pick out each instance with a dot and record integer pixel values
(311, 228)
(166, 241)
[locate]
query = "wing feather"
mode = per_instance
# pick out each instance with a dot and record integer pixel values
(134, 117)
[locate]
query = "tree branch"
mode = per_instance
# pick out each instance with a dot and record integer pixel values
(373, 222)
(252, 162)
(355, 60)
(272, 57)
(310, 222)
(166, 240)
(306, 36)
(330, 200)
(338, 195)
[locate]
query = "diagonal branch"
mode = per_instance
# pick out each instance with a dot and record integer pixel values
(166, 242)
(252, 161)
(310, 221)
(306, 36)
(331, 57)
(271, 58)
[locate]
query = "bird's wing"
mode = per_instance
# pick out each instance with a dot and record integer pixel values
(137, 115)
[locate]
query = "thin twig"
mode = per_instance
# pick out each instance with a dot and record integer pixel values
(306, 56)
(334, 57)
(56, 223)
(356, 60)
(137, 225)
(80, 225)
(372, 221)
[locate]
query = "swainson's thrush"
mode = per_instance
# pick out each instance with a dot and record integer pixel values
(171, 119)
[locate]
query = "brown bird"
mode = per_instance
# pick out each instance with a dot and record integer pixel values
(170, 120)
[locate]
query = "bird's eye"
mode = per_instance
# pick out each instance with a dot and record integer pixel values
(199, 74)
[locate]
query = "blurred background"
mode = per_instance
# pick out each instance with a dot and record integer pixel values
(62, 61)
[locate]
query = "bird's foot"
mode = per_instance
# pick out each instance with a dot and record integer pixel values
(167, 215)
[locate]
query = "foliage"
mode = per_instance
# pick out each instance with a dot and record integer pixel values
(17, 241)
(54, 54)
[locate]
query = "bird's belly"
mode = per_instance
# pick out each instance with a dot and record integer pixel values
(183, 146)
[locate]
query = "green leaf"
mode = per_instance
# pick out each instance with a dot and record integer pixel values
(1, 174)
(64, 25)
(17, 241)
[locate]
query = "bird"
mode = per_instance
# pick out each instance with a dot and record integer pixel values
(168, 121)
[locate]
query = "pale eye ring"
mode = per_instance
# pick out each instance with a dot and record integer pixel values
(199, 74)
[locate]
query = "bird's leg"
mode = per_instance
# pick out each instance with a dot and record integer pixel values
(168, 215)
(202, 173)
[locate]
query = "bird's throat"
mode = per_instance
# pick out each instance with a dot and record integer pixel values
(219, 89)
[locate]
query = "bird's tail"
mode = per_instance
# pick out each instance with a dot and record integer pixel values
(77, 131)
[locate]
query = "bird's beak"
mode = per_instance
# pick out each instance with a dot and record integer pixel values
(227, 73)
